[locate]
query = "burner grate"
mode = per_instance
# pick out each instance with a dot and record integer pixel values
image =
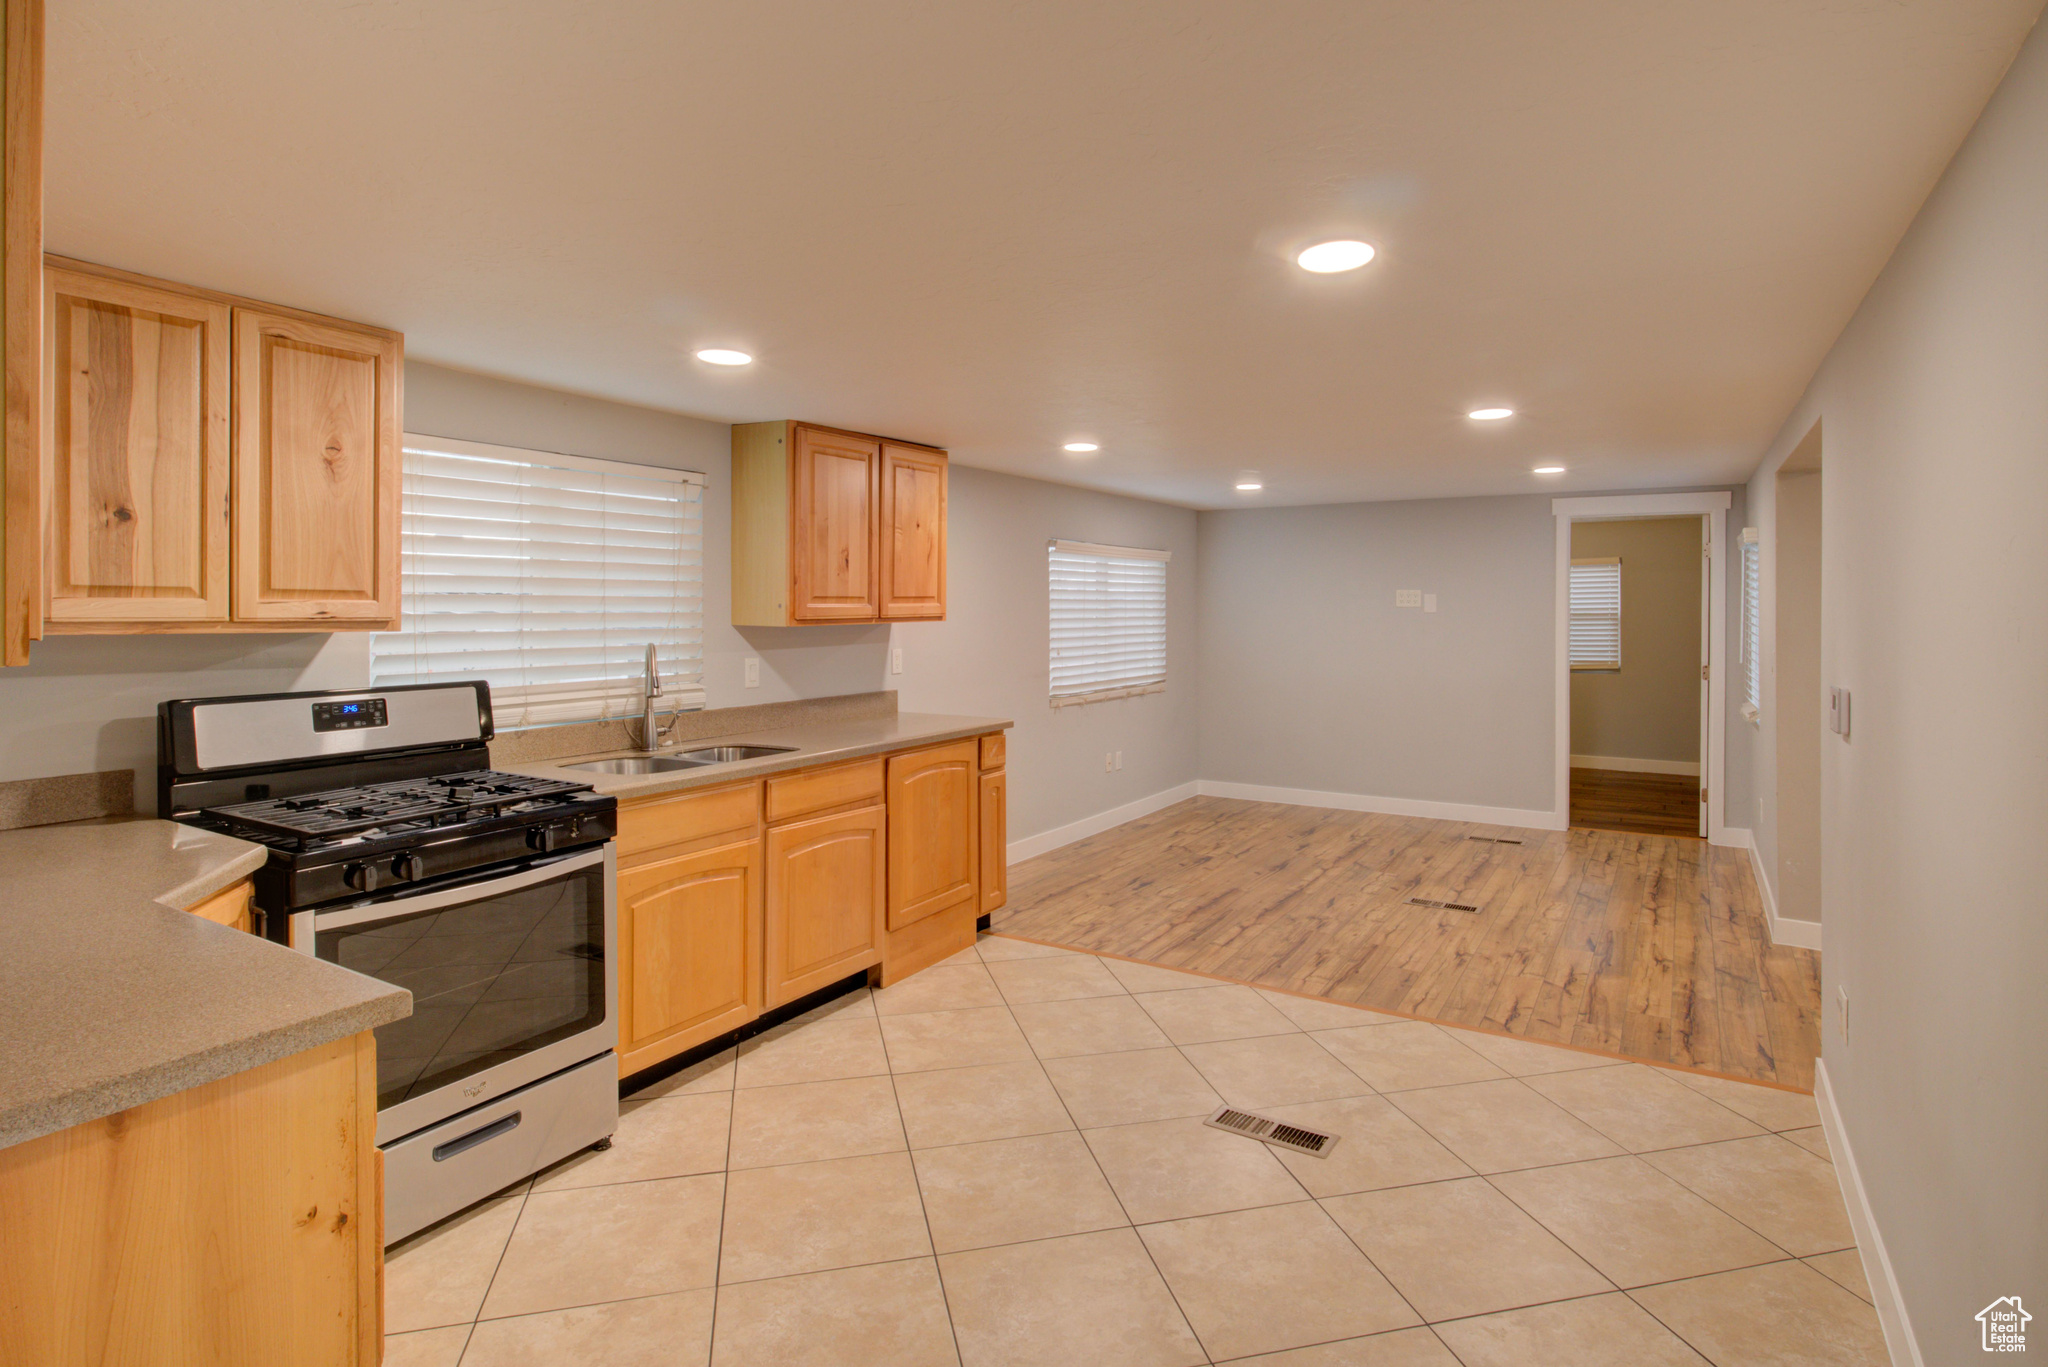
(444, 801)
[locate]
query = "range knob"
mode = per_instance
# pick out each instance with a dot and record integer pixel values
(406, 868)
(361, 877)
(544, 838)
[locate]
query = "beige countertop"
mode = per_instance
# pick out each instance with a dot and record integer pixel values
(112, 995)
(813, 742)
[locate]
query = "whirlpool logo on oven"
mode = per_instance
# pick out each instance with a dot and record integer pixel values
(476, 1089)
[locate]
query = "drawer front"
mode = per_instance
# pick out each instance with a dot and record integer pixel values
(993, 751)
(817, 790)
(701, 819)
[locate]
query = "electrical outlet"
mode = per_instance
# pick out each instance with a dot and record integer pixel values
(895, 659)
(753, 673)
(1119, 759)
(1407, 598)
(1842, 1011)
(1429, 602)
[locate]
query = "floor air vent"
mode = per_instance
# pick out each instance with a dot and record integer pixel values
(1495, 839)
(1312, 1142)
(1444, 906)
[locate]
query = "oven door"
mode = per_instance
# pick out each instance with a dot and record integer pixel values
(513, 977)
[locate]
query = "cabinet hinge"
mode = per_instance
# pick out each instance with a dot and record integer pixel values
(1704, 669)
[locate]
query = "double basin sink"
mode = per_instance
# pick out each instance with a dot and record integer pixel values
(688, 759)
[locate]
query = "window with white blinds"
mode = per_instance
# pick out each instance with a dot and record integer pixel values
(1108, 621)
(1596, 613)
(547, 575)
(1752, 625)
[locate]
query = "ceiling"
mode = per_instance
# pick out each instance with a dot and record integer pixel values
(999, 227)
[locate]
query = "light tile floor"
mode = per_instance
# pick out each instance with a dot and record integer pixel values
(1001, 1163)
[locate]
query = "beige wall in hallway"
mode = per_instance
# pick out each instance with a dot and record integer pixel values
(1650, 707)
(1797, 698)
(1932, 808)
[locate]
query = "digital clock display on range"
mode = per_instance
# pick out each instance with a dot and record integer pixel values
(349, 716)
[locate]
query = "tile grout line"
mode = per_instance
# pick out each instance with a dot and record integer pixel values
(917, 1182)
(1114, 1194)
(732, 1112)
(496, 1268)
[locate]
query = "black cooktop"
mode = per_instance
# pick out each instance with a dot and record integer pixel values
(450, 800)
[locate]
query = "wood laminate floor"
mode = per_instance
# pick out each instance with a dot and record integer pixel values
(1646, 947)
(1641, 804)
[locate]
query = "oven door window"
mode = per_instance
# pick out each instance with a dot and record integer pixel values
(490, 979)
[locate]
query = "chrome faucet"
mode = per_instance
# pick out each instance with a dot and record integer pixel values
(650, 736)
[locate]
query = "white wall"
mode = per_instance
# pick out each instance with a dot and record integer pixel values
(87, 703)
(1934, 416)
(1313, 679)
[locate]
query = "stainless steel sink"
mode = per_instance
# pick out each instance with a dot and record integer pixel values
(641, 764)
(725, 754)
(689, 759)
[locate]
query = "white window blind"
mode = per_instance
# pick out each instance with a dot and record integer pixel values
(547, 575)
(1108, 621)
(1752, 624)
(1596, 613)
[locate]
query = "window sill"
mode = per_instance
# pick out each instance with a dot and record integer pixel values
(1105, 695)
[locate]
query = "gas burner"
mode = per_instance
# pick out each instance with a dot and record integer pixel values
(450, 800)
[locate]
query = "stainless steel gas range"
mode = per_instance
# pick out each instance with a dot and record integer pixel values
(396, 851)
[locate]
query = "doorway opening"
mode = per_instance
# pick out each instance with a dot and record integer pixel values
(1638, 646)
(1796, 696)
(1640, 640)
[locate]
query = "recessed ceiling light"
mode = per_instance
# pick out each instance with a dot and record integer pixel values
(1548, 470)
(1328, 258)
(720, 356)
(1490, 414)
(1080, 446)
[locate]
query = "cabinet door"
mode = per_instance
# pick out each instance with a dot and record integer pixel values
(135, 443)
(834, 484)
(995, 854)
(933, 839)
(826, 881)
(690, 951)
(913, 532)
(317, 470)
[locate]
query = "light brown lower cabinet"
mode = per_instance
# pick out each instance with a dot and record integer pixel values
(236, 1224)
(995, 872)
(827, 883)
(738, 899)
(690, 945)
(231, 907)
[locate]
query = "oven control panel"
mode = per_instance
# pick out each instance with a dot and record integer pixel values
(354, 715)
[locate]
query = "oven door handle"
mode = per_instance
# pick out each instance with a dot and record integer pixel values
(453, 897)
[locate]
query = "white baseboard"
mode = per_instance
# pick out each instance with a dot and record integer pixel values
(1783, 930)
(1390, 806)
(1877, 1264)
(1031, 846)
(1624, 764)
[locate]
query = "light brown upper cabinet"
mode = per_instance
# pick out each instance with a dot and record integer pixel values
(317, 470)
(209, 464)
(832, 526)
(913, 535)
(135, 451)
(21, 331)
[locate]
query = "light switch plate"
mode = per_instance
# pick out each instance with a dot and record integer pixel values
(753, 673)
(1407, 598)
(1429, 602)
(1838, 712)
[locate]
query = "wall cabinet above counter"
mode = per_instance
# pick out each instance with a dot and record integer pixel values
(209, 463)
(835, 526)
